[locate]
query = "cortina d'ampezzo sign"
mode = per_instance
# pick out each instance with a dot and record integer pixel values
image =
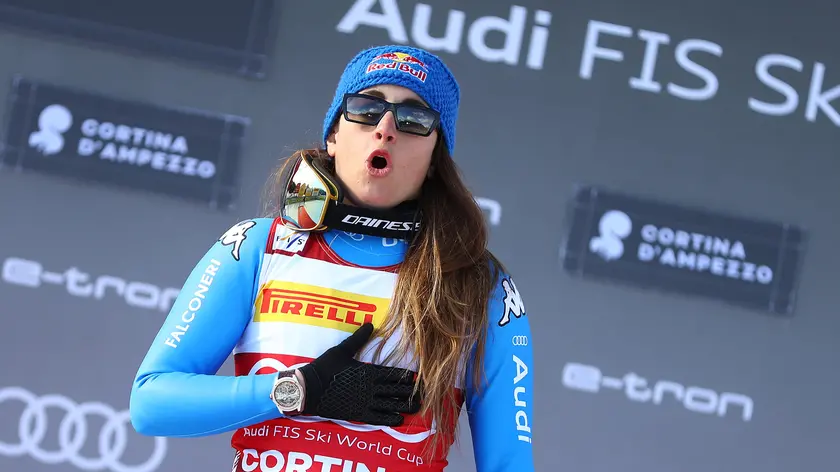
(77, 134)
(651, 244)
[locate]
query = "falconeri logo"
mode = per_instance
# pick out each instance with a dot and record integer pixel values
(677, 248)
(121, 143)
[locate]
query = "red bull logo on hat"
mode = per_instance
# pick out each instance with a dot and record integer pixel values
(399, 61)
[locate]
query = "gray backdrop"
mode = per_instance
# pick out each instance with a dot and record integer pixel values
(681, 124)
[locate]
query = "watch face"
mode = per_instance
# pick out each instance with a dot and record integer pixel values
(287, 394)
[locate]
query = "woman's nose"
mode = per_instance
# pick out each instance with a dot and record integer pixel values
(386, 129)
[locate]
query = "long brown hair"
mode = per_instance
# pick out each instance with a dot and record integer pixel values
(443, 287)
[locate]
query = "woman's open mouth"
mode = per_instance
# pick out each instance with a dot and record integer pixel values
(379, 163)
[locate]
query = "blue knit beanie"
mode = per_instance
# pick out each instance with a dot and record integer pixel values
(409, 67)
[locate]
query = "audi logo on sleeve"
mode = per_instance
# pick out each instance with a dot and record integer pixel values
(74, 431)
(656, 245)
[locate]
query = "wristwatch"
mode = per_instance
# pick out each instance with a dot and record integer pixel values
(287, 393)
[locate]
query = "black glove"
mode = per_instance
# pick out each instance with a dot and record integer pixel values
(340, 387)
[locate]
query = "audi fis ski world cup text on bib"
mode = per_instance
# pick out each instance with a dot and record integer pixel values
(672, 248)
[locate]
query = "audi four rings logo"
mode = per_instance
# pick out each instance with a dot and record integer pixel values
(73, 432)
(520, 340)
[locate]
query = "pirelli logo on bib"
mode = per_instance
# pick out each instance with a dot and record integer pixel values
(318, 306)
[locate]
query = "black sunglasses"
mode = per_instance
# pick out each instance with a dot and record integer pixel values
(410, 118)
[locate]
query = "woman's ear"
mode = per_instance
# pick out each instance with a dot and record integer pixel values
(331, 144)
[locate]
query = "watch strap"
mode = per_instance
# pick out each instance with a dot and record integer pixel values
(285, 373)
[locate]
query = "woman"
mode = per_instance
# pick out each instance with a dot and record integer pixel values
(374, 231)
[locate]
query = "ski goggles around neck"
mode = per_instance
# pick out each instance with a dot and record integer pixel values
(308, 195)
(314, 202)
(411, 118)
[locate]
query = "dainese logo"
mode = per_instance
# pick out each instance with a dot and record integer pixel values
(318, 306)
